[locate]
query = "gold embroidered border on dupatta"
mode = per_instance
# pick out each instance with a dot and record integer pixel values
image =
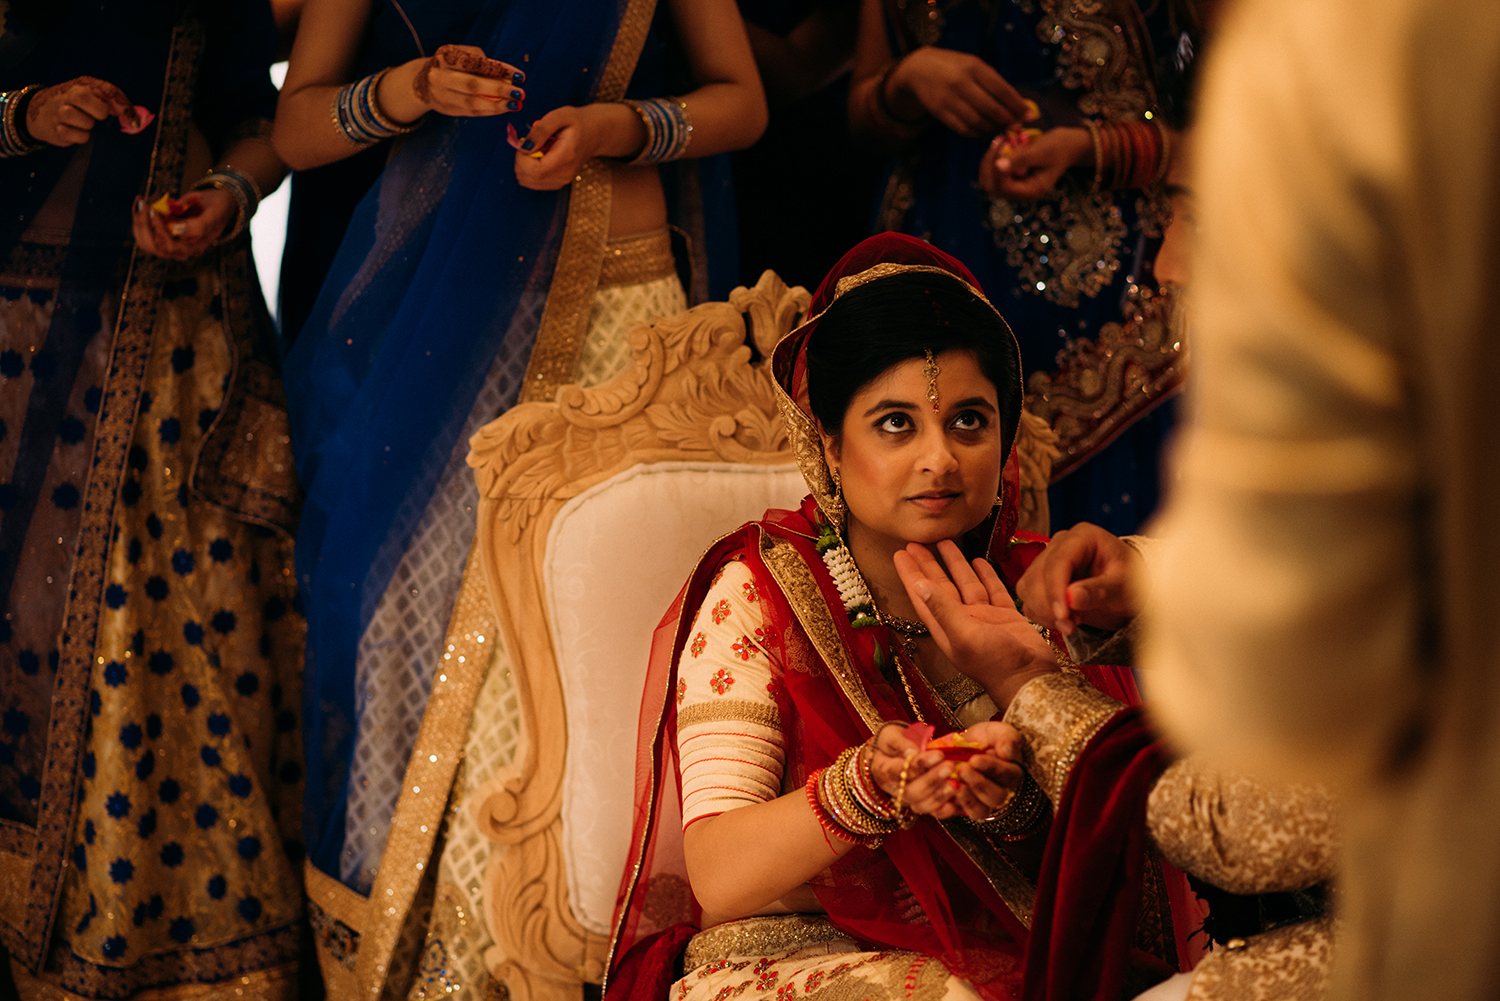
(565, 319)
(37, 904)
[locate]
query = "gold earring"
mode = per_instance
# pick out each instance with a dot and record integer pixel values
(837, 500)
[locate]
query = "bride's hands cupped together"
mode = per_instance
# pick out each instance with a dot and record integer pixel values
(936, 787)
(974, 620)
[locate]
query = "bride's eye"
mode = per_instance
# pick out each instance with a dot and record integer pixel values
(894, 423)
(970, 420)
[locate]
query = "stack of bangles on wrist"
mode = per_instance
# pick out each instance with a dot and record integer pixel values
(668, 130)
(878, 105)
(848, 803)
(1128, 154)
(1018, 817)
(15, 140)
(357, 114)
(241, 187)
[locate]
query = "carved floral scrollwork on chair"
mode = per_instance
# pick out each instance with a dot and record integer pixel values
(696, 394)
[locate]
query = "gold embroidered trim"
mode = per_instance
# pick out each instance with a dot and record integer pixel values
(759, 937)
(729, 711)
(638, 260)
(1065, 245)
(1078, 738)
(129, 354)
(430, 772)
(1105, 384)
(796, 581)
(565, 318)
(1105, 52)
(1016, 891)
(958, 691)
(334, 897)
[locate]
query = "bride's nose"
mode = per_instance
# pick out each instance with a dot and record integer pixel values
(936, 456)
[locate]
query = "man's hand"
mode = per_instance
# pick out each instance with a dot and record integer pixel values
(1085, 576)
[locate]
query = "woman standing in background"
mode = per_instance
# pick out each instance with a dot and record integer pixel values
(150, 650)
(473, 275)
(1059, 235)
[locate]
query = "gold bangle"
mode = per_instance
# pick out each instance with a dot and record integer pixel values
(1098, 153)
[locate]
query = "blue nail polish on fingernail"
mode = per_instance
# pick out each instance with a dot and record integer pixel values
(512, 105)
(516, 94)
(517, 77)
(528, 145)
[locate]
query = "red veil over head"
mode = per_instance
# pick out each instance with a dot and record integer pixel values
(835, 685)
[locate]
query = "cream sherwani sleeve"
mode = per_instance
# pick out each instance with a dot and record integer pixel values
(1329, 601)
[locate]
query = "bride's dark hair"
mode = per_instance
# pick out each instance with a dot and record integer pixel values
(887, 321)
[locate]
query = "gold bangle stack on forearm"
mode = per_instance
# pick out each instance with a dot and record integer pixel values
(14, 139)
(847, 803)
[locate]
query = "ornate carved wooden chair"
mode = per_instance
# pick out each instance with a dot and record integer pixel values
(594, 509)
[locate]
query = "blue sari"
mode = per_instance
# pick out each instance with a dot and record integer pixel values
(1109, 470)
(422, 332)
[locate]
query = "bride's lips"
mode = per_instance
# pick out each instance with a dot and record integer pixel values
(934, 501)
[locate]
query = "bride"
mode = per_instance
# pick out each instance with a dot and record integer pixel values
(783, 805)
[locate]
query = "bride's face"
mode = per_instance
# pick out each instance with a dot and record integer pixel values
(911, 475)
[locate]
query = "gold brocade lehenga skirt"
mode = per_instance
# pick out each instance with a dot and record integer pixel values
(798, 956)
(181, 865)
(443, 942)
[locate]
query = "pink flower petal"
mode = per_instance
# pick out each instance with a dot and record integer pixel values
(919, 734)
(143, 118)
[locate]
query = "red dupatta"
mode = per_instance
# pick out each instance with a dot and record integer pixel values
(975, 899)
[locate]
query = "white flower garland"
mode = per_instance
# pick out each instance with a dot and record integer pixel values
(846, 577)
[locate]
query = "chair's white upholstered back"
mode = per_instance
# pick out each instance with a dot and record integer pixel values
(617, 556)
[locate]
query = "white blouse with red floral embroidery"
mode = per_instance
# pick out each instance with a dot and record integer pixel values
(730, 746)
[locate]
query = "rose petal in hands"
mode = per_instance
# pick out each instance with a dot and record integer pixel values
(135, 120)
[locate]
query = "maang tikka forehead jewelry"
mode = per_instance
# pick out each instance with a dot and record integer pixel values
(930, 370)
